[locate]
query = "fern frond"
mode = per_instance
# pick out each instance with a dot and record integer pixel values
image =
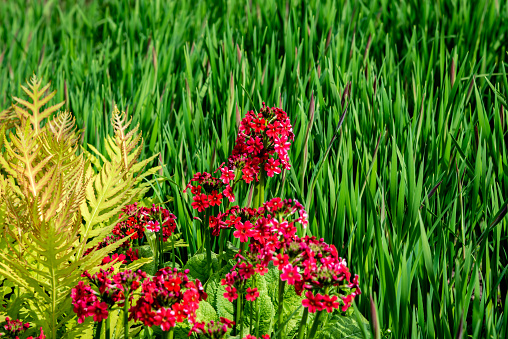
(126, 141)
(8, 119)
(36, 94)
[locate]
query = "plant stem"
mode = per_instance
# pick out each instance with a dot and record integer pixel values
(303, 323)
(315, 325)
(280, 310)
(221, 246)
(208, 244)
(108, 327)
(126, 316)
(250, 316)
(98, 330)
(239, 320)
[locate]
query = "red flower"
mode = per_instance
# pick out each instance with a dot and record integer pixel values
(347, 302)
(243, 231)
(254, 145)
(281, 260)
(231, 293)
(173, 285)
(99, 311)
(215, 198)
(227, 175)
(200, 202)
(179, 311)
(272, 167)
(290, 274)
(329, 303)
(165, 318)
(252, 294)
(313, 303)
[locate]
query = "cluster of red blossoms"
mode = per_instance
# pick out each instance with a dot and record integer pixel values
(261, 136)
(212, 329)
(208, 191)
(14, 327)
(109, 290)
(308, 263)
(138, 220)
(242, 219)
(167, 298)
(144, 218)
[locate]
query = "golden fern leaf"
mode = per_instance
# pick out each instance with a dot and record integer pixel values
(126, 141)
(36, 93)
(8, 117)
(24, 164)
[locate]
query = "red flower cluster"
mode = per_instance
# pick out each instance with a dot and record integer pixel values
(250, 336)
(309, 264)
(139, 220)
(167, 298)
(109, 290)
(243, 219)
(13, 328)
(144, 218)
(208, 191)
(212, 329)
(261, 136)
(267, 230)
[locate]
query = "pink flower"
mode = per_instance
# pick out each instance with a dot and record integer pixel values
(329, 303)
(99, 311)
(313, 303)
(347, 302)
(254, 145)
(243, 231)
(165, 318)
(231, 293)
(252, 294)
(290, 274)
(153, 226)
(227, 175)
(272, 167)
(200, 202)
(281, 260)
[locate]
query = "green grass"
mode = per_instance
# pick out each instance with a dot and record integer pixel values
(414, 189)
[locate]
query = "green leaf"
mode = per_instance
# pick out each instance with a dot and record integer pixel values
(197, 266)
(205, 312)
(339, 326)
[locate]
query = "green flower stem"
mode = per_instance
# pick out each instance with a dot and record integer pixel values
(303, 323)
(208, 244)
(259, 191)
(239, 308)
(280, 310)
(221, 246)
(98, 330)
(315, 325)
(126, 316)
(250, 317)
(258, 315)
(173, 257)
(108, 327)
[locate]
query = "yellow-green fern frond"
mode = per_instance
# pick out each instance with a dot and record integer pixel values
(32, 110)
(25, 163)
(8, 118)
(126, 141)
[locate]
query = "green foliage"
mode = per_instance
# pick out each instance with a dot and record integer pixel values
(197, 266)
(338, 326)
(46, 192)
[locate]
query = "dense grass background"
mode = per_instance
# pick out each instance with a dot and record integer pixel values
(413, 190)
